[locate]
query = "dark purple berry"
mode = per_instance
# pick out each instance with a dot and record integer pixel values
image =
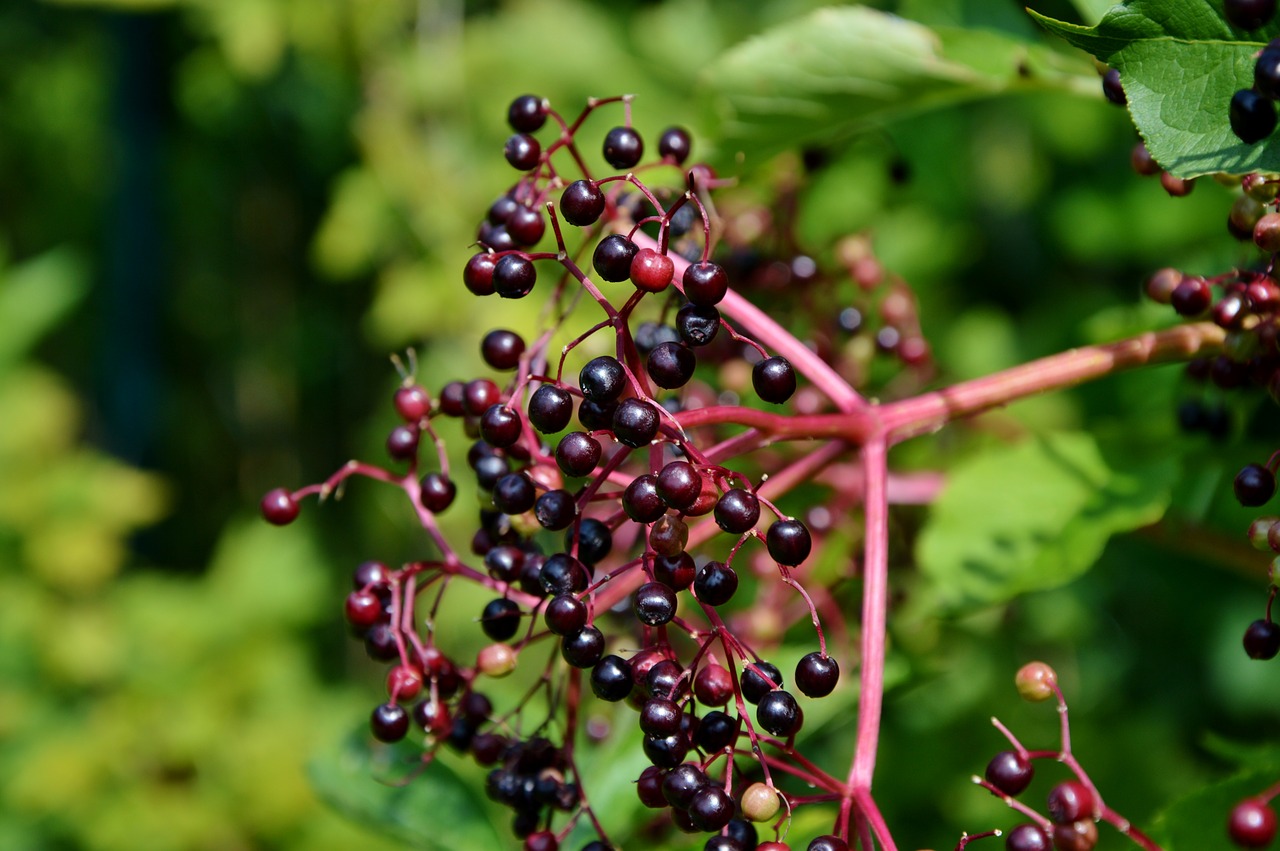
(649, 787)
(779, 713)
(611, 679)
(1254, 485)
(1262, 639)
(514, 276)
(1070, 801)
(478, 395)
(1192, 297)
(527, 113)
(671, 365)
(665, 752)
(501, 349)
(500, 426)
(412, 403)
(698, 324)
(584, 648)
(500, 619)
(514, 493)
(817, 675)
(436, 492)
(711, 808)
(596, 416)
(593, 540)
(718, 730)
(522, 151)
(1249, 14)
(650, 335)
(380, 643)
(773, 379)
(1252, 116)
(577, 454)
(788, 542)
(1252, 824)
(526, 225)
(602, 379)
(737, 511)
(453, 399)
(635, 423)
(1027, 837)
(279, 508)
(1112, 88)
(674, 144)
(613, 256)
(665, 678)
(654, 604)
(715, 583)
(389, 722)
(827, 842)
(555, 510)
(402, 442)
(561, 573)
(675, 571)
(623, 147)
(550, 408)
(1010, 772)
(1266, 73)
(660, 716)
(756, 686)
(705, 283)
(478, 273)
(679, 485)
(565, 614)
(495, 237)
(363, 609)
(581, 203)
(641, 501)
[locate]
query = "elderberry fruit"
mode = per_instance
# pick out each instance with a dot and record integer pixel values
(501, 209)
(651, 271)
(602, 379)
(372, 576)
(522, 151)
(412, 403)
(514, 493)
(705, 283)
(754, 682)
(582, 203)
(555, 510)
(489, 470)
(584, 648)
(773, 379)
(1252, 116)
(715, 583)
(363, 609)
(1254, 485)
(720, 842)
(1027, 837)
(611, 679)
(612, 258)
(500, 426)
(565, 614)
(1249, 14)
(1252, 824)
(550, 409)
(779, 713)
(1266, 73)
(526, 225)
(1070, 801)
(561, 573)
(679, 485)
(495, 237)
(671, 365)
(623, 147)
(817, 674)
(389, 722)
(654, 604)
(500, 619)
(402, 442)
(697, 324)
(593, 538)
(1010, 772)
(737, 511)
(453, 399)
(279, 508)
(641, 501)
(674, 144)
(676, 572)
(477, 275)
(1262, 639)
(501, 349)
(660, 716)
(668, 538)
(650, 335)
(713, 685)
(380, 643)
(717, 731)
(665, 751)
(514, 276)
(577, 454)
(436, 492)
(596, 416)
(711, 808)
(527, 113)
(1112, 88)
(788, 542)
(635, 423)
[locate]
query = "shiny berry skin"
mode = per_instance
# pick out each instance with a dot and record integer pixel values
(527, 113)
(715, 583)
(755, 686)
(500, 426)
(1254, 485)
(555, 510)
(526, 225)
(705, 283)
(412, 403)
(788, 542)
(681, 783)
(402, 442)
(577, 454)
(371, 575)
(581, 203)
(1266, 73)
(522, 151)
(649, 787)
(550, 409)
(1027, 837)
(674, 144)
(737, 511)
(1010, 772)
(660, 716)
(514, 493)
(779, 713)
(584, 648)
(676, 571)
(651, 271)
(436, 492)
(679, 484)
(623, 147)
(561, 573)
(1249, 14)
(611, 679)
(817, 675)
(1112, 88)
(478, 273)
(641, 501)
(1262, 639)
(667, 751)
(478, 395)
(389, 722)
(1080, 835)
(1252, 824)
(697, 324)
(501, 349)
(1070, 801)
(612, 258)
(593, 539)
(827, 842)
(713, 685)
(514, 276)
(453, 399)
(717, 731)
(654, 604)
(602, 379)
(500, 619)
(774, 379)
(1252, 116)
(279, 508)
(363, 609)
(711, 808)
(565, 614)
(671, 365)
(596, 416)
(635, 423)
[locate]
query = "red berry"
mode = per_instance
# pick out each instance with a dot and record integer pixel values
(363, 609)
(279, 507)
(1252, 824)
(1070, 801)
(651, 271)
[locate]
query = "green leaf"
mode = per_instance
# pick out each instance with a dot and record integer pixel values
(433, 809)
(1180, 63)
(1032, 516)
(34, 296)
(1199, 820)
(843, 70)
(1092, 10)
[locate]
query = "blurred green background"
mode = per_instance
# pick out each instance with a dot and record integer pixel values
(219, 217)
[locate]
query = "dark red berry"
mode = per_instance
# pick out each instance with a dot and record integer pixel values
(1027, 837)
(788, 542)
(1252, 824)
(773, 379)
(817, 675)
(412, 403)
(527, 113)
(402, 442)
(623, 147)
(500, 426)
(635, 423)
(522, 151)
(715, 583)
(713, 685)
(1252, 116)
(501, 349)
(514, 276)
(581, 203)
(779, 713)
(679, 485)
(613, 256)
(1070, 801)
(641, 500)
(453, 399)
(675, 571)
(478, 273)
(577, 453)
(705, 283)
(565, 614)
(1081, 835)
(550, 409)
(279, 508)
(1254, 485)
(526, 225)
(674, 145)
(363, 609)
(584, 648)
(436, 492)
(1010, 772)
(737, 511)
(1249, 14)
(654, 604)
(478, 395)
(389, 722)
(651, 271)
(1262, 639)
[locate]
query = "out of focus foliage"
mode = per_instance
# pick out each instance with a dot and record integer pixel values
(218, 217)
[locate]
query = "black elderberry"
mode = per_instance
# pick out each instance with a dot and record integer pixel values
(715, 583)
(705, 283)
(1266, 73)
(500, 619)
(500, 426)
(514, 493)
(565, 614)
(436, 492)
(679, 485)
(1010, 772)
(389, 722)
(654, 604)
(602, 379)
(827, 842)
(1028, 837)
(477, 275)
(1262, 639)
(402, 442)
(279, 508)
(675, 571)
(816, 675)
(711, 808)
(755, 686)
(522, 151)
(380, 643)
(635, 423)
(561, 573)
(581, 203)
(660, 716)
(1249, 14)
(774, 379)
(665, 751)
(584, 648)
(697, 324)
(788, 542)
(650, 335)
(1252, 116)
(555, 510)
(501, 349)
(641, 500)
(623, 147)
(718, 730)
(612, 258)
(514, 276)
(526, 226)
(779, 713)
(1254, 485)
(737, 511)
(550, 409)
(674, 144)
(611, 679)
(527, 113)
(577, 454)
(671, 365)
(593, 538)
(596, 416)
(1112, 88)
(664, 679)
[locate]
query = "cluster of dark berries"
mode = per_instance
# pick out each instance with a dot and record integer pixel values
(1253, 111)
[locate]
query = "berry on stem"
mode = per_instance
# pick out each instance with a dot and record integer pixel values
(788, 542)
(279, 508)
(581, 203)
(816, 675)
(623, 147)
(1252, 824)
(1262, 639)
(650, 271)
(1254, 485)
(774, 379)
(1010, 772)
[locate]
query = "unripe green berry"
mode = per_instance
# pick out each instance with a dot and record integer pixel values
(496, 660)
(1260, 532)
(760, 802)
(1036, 681)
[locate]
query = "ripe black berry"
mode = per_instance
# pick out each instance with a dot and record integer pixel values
(697, 324)
(635, 423)
(827, 842)
(1252, 824)
(788, 542)
(1254, 485)
(565, 614)
(667, 751)
(389, 722)
(478, 273)
(495, 237)
(613, 256)
(581, 203)
(593, 538)
(1027, 837)
(674, 144)
(500, 619)
(522, 151)
(718, 730)
(453, 399)
(1070, 801)
(755, 686)
(1112, 88)
(555, 510)
(679, 485)
(1266, 73)
(650, 335)
(1010, 772)
(279, 508)
(671, 365)
(500, 426)
(611, 678)
(501, 349)
(623, 147)
(711, 808)
(380, 643)
(489, 469)
(577, 453)
(654, 604)
(737, 511)
(773, 379)
(402, 442)
(527, 113)
(550, 408)
(660, 716)
(526, 225)
(561, 573)
(779, 713)
(1252, 116)
(602, 379)
(514, 276)
(817, 675)
(584, 648)
(675, 571)
(1249, 14)
(436, 492)
(514, 493)
(1262, 639)
(715, 583)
